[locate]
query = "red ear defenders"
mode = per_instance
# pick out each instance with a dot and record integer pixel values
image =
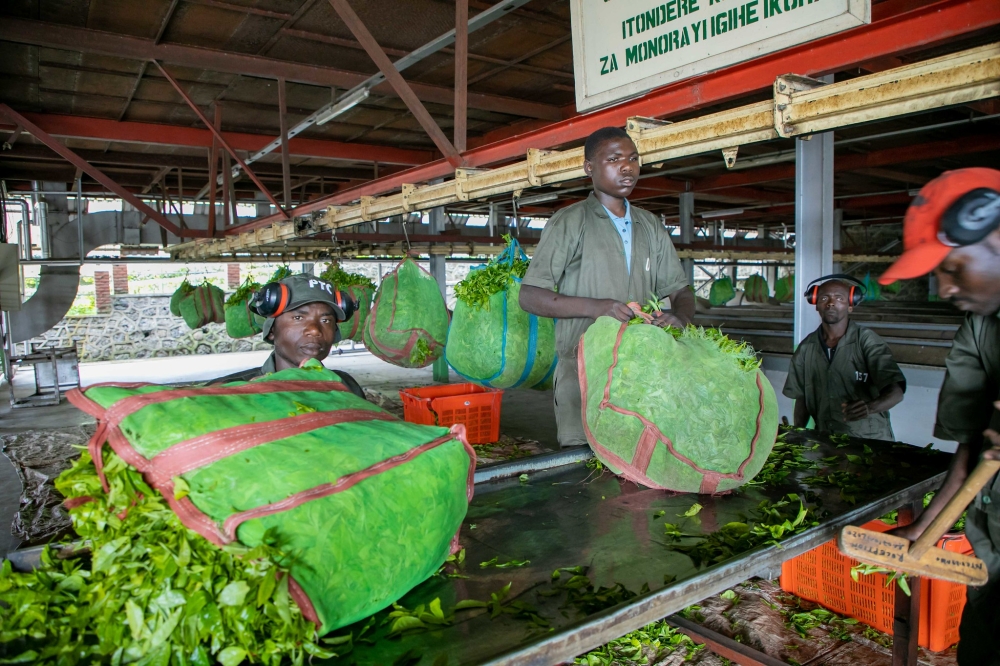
(971, 218)
(855, 295)
(272, 300)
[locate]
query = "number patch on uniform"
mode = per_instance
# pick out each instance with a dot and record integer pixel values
(861, 376)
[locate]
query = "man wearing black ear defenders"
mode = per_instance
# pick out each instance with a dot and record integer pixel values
(301, 313)
(843, 375)
(953, 228)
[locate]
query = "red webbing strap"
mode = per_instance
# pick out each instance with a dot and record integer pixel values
(233, 522)
(211, 447)
(303, 601)
(636, 469)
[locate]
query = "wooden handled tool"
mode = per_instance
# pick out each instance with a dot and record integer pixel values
(920, 557)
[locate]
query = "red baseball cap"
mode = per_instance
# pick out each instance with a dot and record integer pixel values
(924, 247)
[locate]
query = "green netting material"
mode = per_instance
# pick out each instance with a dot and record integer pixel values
(784, 289)
(352, 553)
(179, 295)
(755, 289)
(691, 413)
(722, 291)
(240, 321)
(203, 305)
(499, 345)
(354, 328)
(408, 322)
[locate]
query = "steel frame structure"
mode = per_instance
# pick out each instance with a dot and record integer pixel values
(794, 110)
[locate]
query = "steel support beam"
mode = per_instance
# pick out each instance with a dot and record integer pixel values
(65, 37)
(687, 230)
(813, 222)
(101, 129)
(95, 173)
(286, 174)
(395, 79)
(222, 141)
(461, 73)
(889, 33)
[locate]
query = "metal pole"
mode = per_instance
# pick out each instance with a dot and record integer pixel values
(436, 218)
(79, 218)
(286, 175)
(461, 73)
(813, 221)
(687, 230)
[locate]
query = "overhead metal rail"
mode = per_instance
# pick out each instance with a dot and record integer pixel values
(800, 106)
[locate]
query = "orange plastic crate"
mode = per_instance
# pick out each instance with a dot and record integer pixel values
(823, 575)
(476, 407)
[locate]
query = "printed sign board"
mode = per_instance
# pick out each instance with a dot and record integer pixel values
(623, 48)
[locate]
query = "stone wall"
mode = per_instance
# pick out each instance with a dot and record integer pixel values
(141, 326)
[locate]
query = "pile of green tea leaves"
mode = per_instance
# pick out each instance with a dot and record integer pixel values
(767, 524)
(341, 279)
(152, 591)
(420, 352)
(481, 283)
(649, 645)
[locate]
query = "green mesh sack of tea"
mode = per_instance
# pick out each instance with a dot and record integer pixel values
(203, 305)
(362, 505)
(408, 322)
(755, 289)
(241, 322)
(784, 289)
(179, 295)
(361, 289)
(492, 341)
(686, 411)
(722, 291)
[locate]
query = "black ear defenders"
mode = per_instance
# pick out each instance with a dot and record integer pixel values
(971, 218)
(273, 298)
(856, 294)
(270, 300)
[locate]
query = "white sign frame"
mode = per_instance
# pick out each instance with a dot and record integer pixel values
(592, 92)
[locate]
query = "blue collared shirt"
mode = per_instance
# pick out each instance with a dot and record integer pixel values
(623, 225)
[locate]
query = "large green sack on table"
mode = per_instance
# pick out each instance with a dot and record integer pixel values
(682, 411)
(784, 289)
(363, 505)
(203, 305)
(722, 291)
(755, 289)
(179, 295)
(408, 322)
(492, 341)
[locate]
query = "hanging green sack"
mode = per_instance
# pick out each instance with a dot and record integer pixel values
(722, 292)
(492, 341)
(755, 289)
(784, 289)
(364, 506)
(361, 289)
(873, 290)
(687, 411)
(408, 322)
(203, 305)
(178, 296)
(241, 322)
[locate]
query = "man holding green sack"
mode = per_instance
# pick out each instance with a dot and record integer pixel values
(301, 315)
(596, 256)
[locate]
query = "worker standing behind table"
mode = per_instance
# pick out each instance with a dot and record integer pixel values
(301, 313)
(953, 228)
(593, 258)
(843, 375)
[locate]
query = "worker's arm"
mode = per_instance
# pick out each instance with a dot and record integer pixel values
(801, 414)
(547, 303)
(681, 310)
(961, 464)
(890, 396)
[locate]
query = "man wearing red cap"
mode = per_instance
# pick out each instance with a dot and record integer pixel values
(953, 229)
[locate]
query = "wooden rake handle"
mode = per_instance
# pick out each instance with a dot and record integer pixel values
(980, 476)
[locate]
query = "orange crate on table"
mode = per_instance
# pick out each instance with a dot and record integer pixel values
(823, 575)
(476, 407)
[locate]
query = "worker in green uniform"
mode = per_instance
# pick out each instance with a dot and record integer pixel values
(301, 313)
(953, 228)
(843, 375)
(595, 257)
